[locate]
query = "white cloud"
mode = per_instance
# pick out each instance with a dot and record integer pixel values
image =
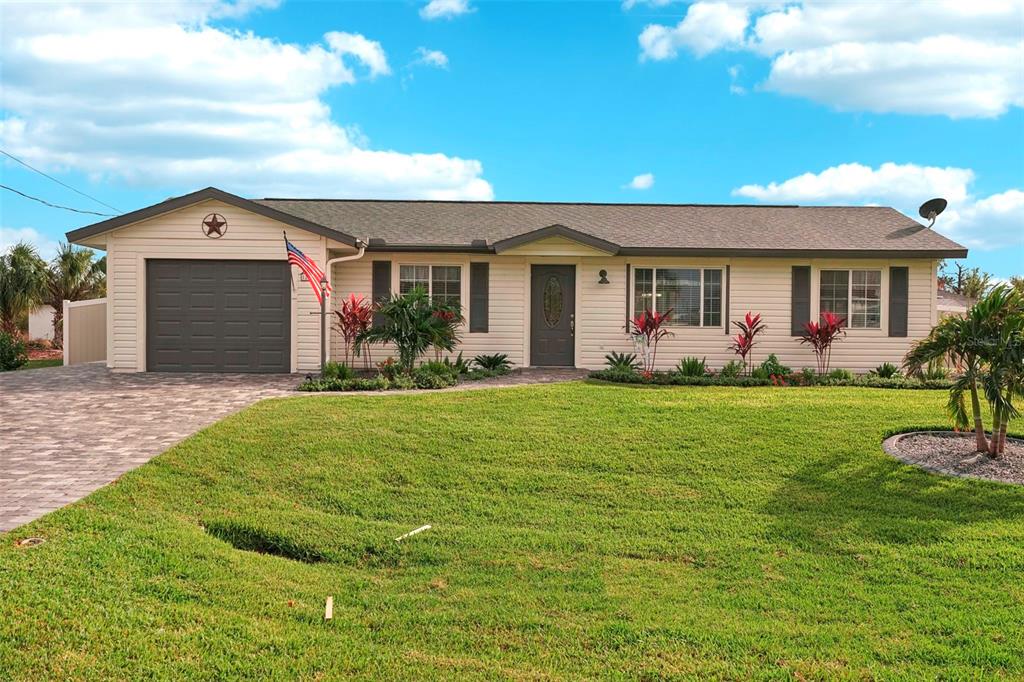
(445, 9)
(9, 236)
(958, 59)
(995, 221)
(642, 181)
(369, 52)
(431, 58)
(152, 94)
(630, 4)
(734, 87)
(706, 27)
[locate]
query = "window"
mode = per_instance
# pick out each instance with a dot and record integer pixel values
(443, 283)
(694, 295)
(853, 294)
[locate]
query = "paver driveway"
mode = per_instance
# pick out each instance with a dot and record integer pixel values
(66, 431)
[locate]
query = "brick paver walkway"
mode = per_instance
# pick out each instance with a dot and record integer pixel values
(66, 431)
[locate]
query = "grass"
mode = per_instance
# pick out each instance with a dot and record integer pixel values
(580, 531)
(48, 362)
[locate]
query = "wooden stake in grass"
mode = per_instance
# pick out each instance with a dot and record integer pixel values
(412, 532)
(329, 609)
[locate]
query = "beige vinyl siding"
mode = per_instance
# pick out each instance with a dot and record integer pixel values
(760, 285)
(178, 235)
(553, 246)
(508, 297)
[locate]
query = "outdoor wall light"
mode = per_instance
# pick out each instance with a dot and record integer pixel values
(604, 277)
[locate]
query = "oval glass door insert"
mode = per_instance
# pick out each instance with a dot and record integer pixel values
(552, 301)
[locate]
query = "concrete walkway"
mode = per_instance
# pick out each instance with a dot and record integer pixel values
(66, 431)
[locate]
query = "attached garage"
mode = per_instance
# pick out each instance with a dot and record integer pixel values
(217, 316)
(202, 283)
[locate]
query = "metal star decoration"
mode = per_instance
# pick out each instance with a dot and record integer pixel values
(214, 226)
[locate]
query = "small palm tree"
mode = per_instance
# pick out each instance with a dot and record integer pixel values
(984, 345)
(22, 285)
(414, 325)
(73, 275)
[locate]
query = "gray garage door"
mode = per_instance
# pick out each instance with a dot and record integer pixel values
(217, 316)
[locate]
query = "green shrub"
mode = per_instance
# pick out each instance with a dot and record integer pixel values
(622, 361)
(692, 367)
(378, 383)
(337, 370)
(403, 382)
(771, 367)
(841, 375)
(497, 362)
(12, 352)
(886, 370)
(806, 377)
(458, 365)
(434, 375)
(933, 371)
(389, 368)
(731, 369)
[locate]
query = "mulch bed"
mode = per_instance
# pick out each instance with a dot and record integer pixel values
(47, 354)
(953, 454)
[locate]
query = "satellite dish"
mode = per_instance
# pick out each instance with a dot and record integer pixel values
(931, 209)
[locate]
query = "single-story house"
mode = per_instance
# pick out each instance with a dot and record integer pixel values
(201, 282)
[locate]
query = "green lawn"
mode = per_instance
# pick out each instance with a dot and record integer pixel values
(579, 531)
(35, 364)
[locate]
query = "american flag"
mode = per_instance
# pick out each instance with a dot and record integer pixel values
(313, 273)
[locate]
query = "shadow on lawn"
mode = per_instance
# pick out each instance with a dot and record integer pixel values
(841, 500)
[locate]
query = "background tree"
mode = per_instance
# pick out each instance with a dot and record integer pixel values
(1017, 282)
(72, 275)
(22, 286)
(971, 282)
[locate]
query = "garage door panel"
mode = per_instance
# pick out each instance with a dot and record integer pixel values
(218, 316)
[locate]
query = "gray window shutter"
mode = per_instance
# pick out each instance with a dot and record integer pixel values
(479, 296)
(801, 299)
(899, 282)
(629, 294)
(381, 286)
(725, 302)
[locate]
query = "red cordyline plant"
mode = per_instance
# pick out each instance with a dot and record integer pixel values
(744, 342)
(820, 336)
(647, 330)
(354, 317)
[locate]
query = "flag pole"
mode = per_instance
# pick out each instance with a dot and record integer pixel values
(323, 323)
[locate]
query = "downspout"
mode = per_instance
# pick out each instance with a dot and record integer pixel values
(329, 269)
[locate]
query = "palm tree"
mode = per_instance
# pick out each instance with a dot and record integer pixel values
(959, 339)
(986, 345)
(73, 275)
(1005, 377)
(22, 285)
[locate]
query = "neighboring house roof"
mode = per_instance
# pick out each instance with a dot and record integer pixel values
(628, 229)
(175, 203)
(952, 302)
(624, 229)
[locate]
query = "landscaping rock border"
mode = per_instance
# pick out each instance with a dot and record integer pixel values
(952, 453)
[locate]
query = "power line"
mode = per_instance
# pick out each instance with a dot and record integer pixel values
(62, 184)
(47, 203)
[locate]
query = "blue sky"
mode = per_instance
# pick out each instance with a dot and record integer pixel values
(649, 102)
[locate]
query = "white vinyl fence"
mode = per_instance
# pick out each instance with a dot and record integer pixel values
(85, 331)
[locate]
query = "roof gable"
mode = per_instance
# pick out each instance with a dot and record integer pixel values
(183, 201)
(554, 231)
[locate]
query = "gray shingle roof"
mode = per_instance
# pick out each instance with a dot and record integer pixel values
(764, 230)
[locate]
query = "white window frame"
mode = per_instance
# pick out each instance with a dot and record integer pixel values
(849, 294)
(430, 276)
(654, 292)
